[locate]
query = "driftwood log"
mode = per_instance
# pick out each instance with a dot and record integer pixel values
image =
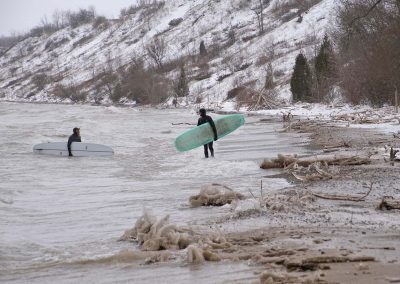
(313, 263)
(389, 203)
(344, 197)
(288, 161)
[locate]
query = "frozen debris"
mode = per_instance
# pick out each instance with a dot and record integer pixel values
(268, 277)
(282, 161)
(290, 201)
(143, 224)
(163, 256)
(196, 254)
(389, 203)
(246, 205)
(362, 266)
(153, 235)
(215, 195)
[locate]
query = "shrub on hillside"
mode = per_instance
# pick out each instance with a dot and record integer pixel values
(286, 10)
(181, 88)
(100, 22)
(82, 40)
(40, 81)
(145, 86)
(55, 43)
(175, 22)
(8, 41)
(69, 92)
(148, 6)
(81, 17)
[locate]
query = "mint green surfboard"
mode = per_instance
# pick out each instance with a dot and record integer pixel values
(203, 134)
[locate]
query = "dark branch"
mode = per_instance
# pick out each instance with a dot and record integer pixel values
(366, 14)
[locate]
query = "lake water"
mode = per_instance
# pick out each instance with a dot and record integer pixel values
(58, 211)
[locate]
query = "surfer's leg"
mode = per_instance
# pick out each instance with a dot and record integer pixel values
(210, 145)
(205, 150)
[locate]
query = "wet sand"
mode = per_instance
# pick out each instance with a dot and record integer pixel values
(331, 241)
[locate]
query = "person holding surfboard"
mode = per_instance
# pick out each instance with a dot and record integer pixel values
(204, 118)
(75, 137)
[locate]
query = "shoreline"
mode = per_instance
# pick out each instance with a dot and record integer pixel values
(291, 235)
(329, 227)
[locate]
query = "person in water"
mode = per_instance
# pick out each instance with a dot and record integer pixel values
(75, 137)
(204, 118)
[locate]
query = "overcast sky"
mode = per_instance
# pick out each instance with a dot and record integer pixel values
(22, 15)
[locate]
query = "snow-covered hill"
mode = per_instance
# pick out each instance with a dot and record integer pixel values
(31, 69)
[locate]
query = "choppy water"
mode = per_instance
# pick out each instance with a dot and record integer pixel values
(56, 211)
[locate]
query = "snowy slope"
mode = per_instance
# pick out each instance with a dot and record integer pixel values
(74, 57)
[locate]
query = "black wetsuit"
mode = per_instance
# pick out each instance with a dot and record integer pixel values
(202, 120)
(73, 138)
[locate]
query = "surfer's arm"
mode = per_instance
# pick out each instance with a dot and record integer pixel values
(69, 146)
(211, 121)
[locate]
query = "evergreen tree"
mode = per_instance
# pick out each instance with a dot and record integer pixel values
(301, 81)
(324, 66)
(324, 62)
(181, 87)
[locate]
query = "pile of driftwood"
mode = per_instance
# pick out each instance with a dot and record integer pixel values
(258, 99)
(366, 117)
(312, 168)
(290, 161)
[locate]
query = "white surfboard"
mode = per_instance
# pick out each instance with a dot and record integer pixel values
(78, 149)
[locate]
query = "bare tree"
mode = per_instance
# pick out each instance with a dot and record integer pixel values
(58, 19)
(259, 11)
(157, 51)
(365, 14)
(368, 37)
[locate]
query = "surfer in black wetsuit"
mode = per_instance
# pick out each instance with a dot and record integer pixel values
(75, 137)
(204, 119)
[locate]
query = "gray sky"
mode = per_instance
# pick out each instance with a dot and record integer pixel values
(22, 15)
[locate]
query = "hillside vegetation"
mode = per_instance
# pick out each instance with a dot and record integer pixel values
(205, 52)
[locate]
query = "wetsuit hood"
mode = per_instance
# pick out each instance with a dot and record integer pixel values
(202, 112)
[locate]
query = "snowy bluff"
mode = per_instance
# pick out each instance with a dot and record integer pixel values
(86, 63)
